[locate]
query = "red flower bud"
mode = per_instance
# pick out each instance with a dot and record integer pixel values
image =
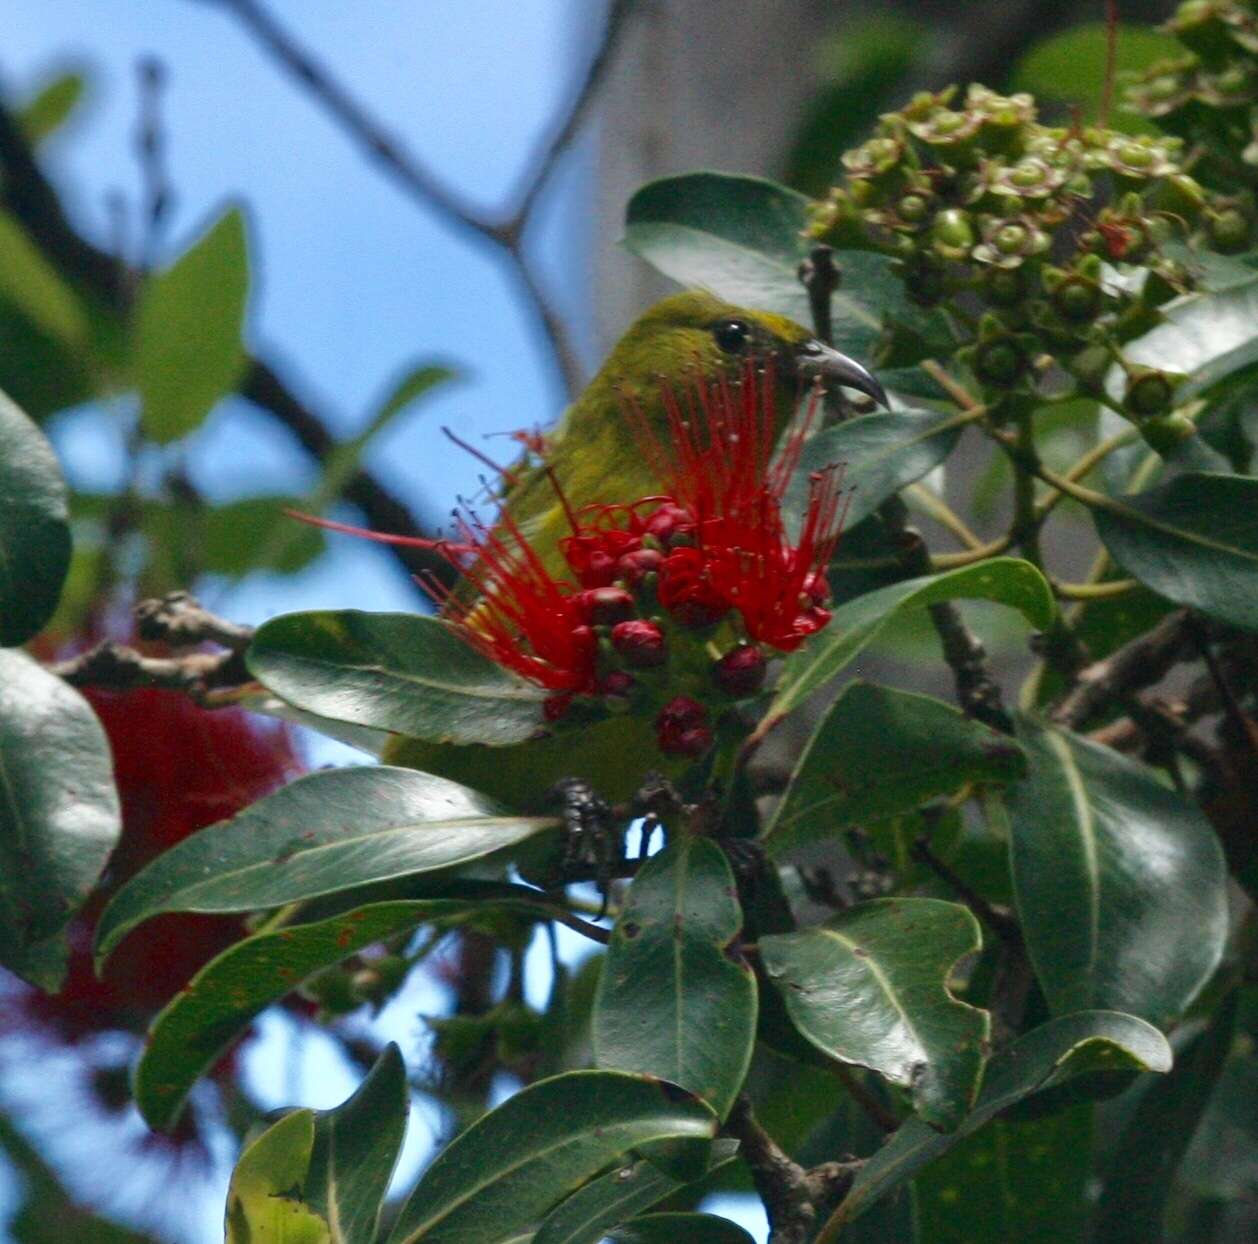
(634, 567)
(597, 569)
(605, 606)
(741, 671)
(681, 728)
(669, 523)
(642, 644)
(617, 683)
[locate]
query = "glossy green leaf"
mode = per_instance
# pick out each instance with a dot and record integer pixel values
(675, 1228)
(742, 238)
(34, 286)
(1141, 1174)
(323, 834)
(228, 993)
(516, 1163)
(264, 1200)
(1206, 337)
(34, 531)
(58, 813)
(1120, 883)
(356, 1147)
(584, 1218)
(880, 454)
(1048, 1056)
(1194, 541)
(1071, 67)
(188, 348)
(402, 672)
(1007, 580)
(1024, 1182)
(870, 987)
(879, 752)
(675, 998)
(51, 106)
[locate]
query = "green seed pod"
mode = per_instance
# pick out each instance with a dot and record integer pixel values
(1228, 230)
(332, 991)
(1181, 196)
(1003, 287)
(913, 208)
(952, 234)
(1164, 432)
(1090, 366)
(1149, 392)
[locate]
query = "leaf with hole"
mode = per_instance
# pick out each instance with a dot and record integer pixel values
(869, 987)
(1119, 882)
(675, 998)
(401, 672)
(516, 1163)
(59, 817)
(323, 834)
(878, 753)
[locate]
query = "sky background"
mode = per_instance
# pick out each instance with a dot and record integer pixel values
(352, 286)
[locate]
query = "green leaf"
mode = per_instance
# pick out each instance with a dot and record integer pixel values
(34, 529)
(1194, 541)
(242, 536)
(229, 992)
(857, 623)
(1206, 337)
(1120, 883)
(33, 285)
(356, 1147)
(881, 454)
(394, 671)
(50, 107)
(676, 1228)
(878, 753)
(742, 238)
(323, 834)
(515, 1163)
(675, 998)
(1071, 67)
(188, 349)
(870, 987)
(612, 1198)
(1141, 1174)
(58, 813)
(1030, 1180)
(264, 1200)
(1084, 1043)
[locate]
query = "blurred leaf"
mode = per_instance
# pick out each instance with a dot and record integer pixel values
(228, 993)
(612, 1198)
(741, 238)
(33, 285)
(857, 623)
(1193, 540)
(864, 66)
(236, 537)
(1139, 1177)
(674, 1228)
(37, 369)
(1070, 67)
(58, 814)
(356, 1148)
(34, 532)
(323, 834)
(870, 987)
(50, 107)
(879, 752)
(264, 1201)
(517, 1162)
(880, 455)
(675, 998)
(1120, 883)
(1084, 1043)
(188, 349)
(1030, 1180)
(403, 672)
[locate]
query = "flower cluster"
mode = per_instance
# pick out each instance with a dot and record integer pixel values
(1006, 232)
(671, 603)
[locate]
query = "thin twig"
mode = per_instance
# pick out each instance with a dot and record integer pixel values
(1005, 927)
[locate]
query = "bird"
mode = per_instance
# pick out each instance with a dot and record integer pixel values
(594, 456)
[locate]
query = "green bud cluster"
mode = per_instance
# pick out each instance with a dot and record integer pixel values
(1041, 247)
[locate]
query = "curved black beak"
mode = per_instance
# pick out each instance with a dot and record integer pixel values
(816, 359)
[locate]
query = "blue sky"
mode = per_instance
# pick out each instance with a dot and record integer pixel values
(352, 284)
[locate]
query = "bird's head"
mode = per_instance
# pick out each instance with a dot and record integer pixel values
(696, 330)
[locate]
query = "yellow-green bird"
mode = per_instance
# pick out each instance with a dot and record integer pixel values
(594, 455)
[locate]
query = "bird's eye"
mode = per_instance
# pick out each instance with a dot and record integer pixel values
(732, 335)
